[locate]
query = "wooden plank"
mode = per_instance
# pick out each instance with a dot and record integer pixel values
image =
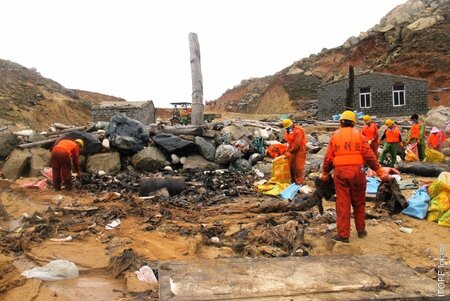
(299, 278)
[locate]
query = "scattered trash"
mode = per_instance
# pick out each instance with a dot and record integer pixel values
(406, 230)
(215, 240)
(54, 270)
(112, 225)
(146, 274)
(332, 226)
(67, 238)
(398, 222)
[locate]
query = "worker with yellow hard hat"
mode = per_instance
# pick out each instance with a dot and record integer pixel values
(348, 152)
(63, 153)
(370, 131)
(393, 139)
(296, 150)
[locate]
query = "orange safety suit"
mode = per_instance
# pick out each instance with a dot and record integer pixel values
(435, 140)
(296, 153)
(62, 152)
(347, 152)
(370, 131)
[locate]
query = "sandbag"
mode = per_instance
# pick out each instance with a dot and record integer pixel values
(439, 192)
(418, 204)
(432, 155)
(444, 220)
(412, 153)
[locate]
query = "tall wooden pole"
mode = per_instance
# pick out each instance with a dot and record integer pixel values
(197, 80)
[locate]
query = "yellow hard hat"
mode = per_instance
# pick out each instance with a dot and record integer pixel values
(348, 115)
(80, 142)
(367, 118)
(287, 123)
(389, 122)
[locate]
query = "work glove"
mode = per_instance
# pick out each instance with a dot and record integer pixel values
(383, 175)
(325, 177)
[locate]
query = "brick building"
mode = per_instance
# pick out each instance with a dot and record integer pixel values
(377, 94)
(144, 111)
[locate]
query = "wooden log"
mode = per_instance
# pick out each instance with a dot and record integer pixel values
(64, 131)
(176, 130)
(197, 80)
(38, 143)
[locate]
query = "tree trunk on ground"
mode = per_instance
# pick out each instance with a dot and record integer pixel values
(197, 80)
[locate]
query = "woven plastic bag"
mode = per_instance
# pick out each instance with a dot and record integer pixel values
(432, 155)
(439, 192)
(412, 153)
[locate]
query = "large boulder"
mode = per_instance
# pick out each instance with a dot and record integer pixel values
(16, 164)
(205, 148)
(40, 158)
(226, 153)
(242, 165)
(197, 161)
(172, 144)
(236, 131)
(149, 159)
(107, 162)
(91, 143)
(127, 135)
(8, 141)
(438, 117)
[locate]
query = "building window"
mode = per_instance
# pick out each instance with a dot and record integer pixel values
(398, 95)
(364, 98)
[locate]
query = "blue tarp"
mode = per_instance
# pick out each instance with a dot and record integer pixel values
(290, 191)
(418, 204)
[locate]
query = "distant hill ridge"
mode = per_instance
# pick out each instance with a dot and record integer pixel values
(413, 39)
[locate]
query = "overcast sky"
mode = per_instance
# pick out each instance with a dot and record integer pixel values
(139, 49)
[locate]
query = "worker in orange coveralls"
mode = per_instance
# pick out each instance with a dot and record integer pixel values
(62, 152)
(296, 151)
(347, 152)
(370, 131)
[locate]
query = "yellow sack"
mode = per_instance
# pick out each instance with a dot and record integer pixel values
(439, 192)
(445, 219)
(272, 188)
(281, 177)
(412, 153)
(432, 155)
(280, 170)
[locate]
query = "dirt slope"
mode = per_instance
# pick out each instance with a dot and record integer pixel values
(29, 100)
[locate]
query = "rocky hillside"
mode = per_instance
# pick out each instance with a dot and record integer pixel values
(29, 100)
(413, 39)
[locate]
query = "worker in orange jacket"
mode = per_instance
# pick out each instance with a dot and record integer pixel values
(393, 141)
(296, 150)
(348, 152)
(417, 135)
(436, 139)
(62, 153)
(370, 131)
